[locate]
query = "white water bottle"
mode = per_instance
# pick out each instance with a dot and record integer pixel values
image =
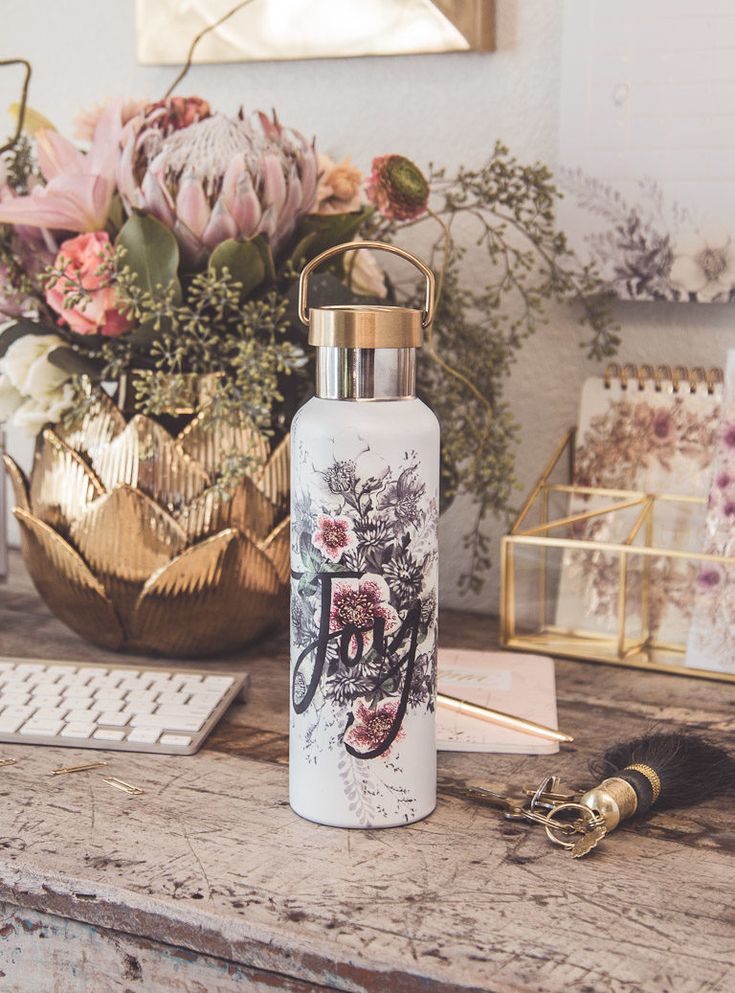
(364, 514)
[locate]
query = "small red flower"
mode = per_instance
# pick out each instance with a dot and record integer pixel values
(398, 188)
(333, 536)
(357, 603)
(371, 727)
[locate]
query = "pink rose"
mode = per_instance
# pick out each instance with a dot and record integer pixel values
(82, 258)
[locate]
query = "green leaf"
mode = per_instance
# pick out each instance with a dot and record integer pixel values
(317, 232)
(74, 363)
(19, 330)
(246, 261)
(152, 254)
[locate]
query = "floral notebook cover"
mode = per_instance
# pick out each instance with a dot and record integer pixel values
(711, 642)
(651, 437)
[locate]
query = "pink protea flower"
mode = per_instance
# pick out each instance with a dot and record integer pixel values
(220, 177)
(372, 726)
(398, 188)
(176, 113)
(358, 603)
(79, 187)
(333, 536)
(82, 258)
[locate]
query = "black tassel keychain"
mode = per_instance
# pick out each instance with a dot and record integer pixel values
(659, 770)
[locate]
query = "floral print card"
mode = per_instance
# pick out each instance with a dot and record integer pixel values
(644, 161)
(652, 440)
(712, 632)
(524, 685)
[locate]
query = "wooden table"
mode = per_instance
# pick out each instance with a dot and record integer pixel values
(210, 883)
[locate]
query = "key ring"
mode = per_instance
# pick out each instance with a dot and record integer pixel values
(565, 827)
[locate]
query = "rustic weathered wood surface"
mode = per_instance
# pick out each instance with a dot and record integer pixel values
(209, 882)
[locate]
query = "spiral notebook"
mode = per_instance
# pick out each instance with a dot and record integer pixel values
(651, 430)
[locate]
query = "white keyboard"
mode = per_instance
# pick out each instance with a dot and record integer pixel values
(119, 707)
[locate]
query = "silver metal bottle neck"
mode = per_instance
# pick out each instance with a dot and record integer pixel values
(365, 373)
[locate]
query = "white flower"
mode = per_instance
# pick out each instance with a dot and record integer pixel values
(10, 399)
(704, 264)
(364, 275)
(33, 391)
(33, 413)
(348, 460)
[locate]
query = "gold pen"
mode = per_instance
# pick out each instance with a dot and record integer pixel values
(498, 717)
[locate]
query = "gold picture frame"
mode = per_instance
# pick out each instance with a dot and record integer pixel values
(279, 30)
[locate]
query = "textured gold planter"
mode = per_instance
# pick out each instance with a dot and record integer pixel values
(130, 542)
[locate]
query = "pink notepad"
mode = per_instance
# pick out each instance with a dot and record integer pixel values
(523, 685)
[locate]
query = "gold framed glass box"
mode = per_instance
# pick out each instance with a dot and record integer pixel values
(609, 575)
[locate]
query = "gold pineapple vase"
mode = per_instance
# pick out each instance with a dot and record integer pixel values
(132, 544)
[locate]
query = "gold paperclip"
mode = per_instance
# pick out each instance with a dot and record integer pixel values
(8, 761)
(120, 784)
(64, 769)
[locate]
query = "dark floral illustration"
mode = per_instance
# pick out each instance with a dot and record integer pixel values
(651, 249)
(365, 545)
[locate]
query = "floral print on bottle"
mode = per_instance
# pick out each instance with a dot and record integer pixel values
(363, 629)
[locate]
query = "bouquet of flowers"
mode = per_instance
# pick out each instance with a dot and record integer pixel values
(168, 247)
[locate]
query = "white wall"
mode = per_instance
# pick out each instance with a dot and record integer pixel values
(449, 109)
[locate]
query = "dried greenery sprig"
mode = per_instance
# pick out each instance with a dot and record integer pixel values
(508, 209)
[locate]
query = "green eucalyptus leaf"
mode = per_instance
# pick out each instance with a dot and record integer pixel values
(267, 255)
(152, 254)
(246, 262)
(317, 232)
(19, 330)
(74, 363)
(299, 254)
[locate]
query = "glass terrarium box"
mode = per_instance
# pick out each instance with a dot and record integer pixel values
(615, 576)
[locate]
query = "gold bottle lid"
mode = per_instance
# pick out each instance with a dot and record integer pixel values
(365, 325)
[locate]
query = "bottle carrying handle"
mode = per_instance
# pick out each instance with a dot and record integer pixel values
(378, 246)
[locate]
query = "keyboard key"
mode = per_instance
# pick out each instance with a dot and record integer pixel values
(145, 736)
(113, 719)
(110, 705)
(147, 696)
(167, 723)
(139, 708)
(109, 734)
(82, 715)
(50, 713)
(217, 682)
(6, 699)
(9, 725)
(78, 730)
(90, 672)
(24, 712)
(42, 728)
(180, 740)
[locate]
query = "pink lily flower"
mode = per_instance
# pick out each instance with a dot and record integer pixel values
(79, 188)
